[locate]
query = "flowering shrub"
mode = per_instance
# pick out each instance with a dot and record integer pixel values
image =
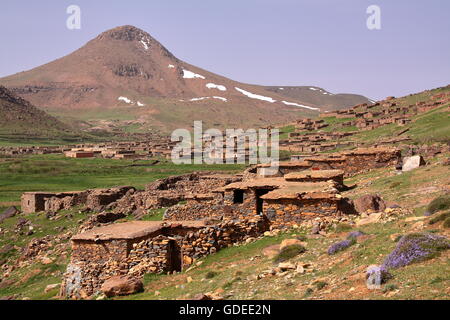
(355, 234)
(342, 245)
(415, 247)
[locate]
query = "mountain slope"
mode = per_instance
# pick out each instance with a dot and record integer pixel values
(319, 97)
(20, 118)
(126, 68)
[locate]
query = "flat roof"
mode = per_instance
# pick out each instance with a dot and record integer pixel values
(314, 174)
(132, 230)
(255, 183)
(303, 190)
(288, 164)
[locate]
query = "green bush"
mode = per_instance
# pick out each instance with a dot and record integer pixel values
(389, 287)
(320, 285)
(210, 275)
(439, 204)
(289, 252)
(440, 217)
(447, 223)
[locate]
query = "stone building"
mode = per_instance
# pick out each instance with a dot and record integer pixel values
(139, 247)
(32, 202)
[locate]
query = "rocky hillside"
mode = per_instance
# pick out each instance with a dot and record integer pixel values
(126, 69)
(19, 117)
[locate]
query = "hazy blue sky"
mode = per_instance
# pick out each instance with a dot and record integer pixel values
(273, 42)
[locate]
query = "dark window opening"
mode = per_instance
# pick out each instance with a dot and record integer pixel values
(238, 196)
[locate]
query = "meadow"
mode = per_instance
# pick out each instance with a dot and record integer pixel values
(55, 173)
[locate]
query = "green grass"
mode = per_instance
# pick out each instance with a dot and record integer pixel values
(31, 280)
(284, 132)
(56, 173)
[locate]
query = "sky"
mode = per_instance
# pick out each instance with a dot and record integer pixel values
(324, 43)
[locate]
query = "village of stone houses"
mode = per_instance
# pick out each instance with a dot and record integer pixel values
(94, 207)
(358, 208)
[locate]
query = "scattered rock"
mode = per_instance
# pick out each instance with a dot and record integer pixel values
(373, 218)
(376, 276)
(411, 163)
(202, 297)
(46, 260)
(8, 213)
(284, 266)
(271, 251)
(121, 286)
(369, 202)
(51, 287)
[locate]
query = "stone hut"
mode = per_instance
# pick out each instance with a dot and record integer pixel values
(139, 247)
(302, 201)
(32, 202)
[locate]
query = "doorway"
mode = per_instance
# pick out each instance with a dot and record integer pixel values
(175, 261)
(259, 202)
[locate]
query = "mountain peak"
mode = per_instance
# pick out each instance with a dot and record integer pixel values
(126, 33)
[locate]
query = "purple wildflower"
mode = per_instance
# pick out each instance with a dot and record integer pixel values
(355, 234)
(415, 247)
(339, 246)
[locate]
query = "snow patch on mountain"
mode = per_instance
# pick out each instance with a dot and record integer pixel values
(171, 66)
(145, 44)
(299, 105)
(191, 75)
(140, 104)
(204, 98)
(125, 99)
(216, 86)
(255, 96)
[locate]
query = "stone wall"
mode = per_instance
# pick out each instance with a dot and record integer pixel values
(355, 162)
(286, 213)
(221, 206)
(92, 263)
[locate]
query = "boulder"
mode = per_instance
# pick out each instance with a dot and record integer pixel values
(370, 202)
(202, 297)
(121, 286)
(8, 213)
(411, 163)
(288, 242)
(271, 251)
(373, 218)
(51, 287)
(376, 276)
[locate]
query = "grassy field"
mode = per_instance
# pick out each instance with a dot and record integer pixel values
(57, 173)
(233, 272)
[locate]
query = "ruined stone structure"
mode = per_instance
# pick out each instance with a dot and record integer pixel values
(32, 202)
(136, 248)
(300, 195)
